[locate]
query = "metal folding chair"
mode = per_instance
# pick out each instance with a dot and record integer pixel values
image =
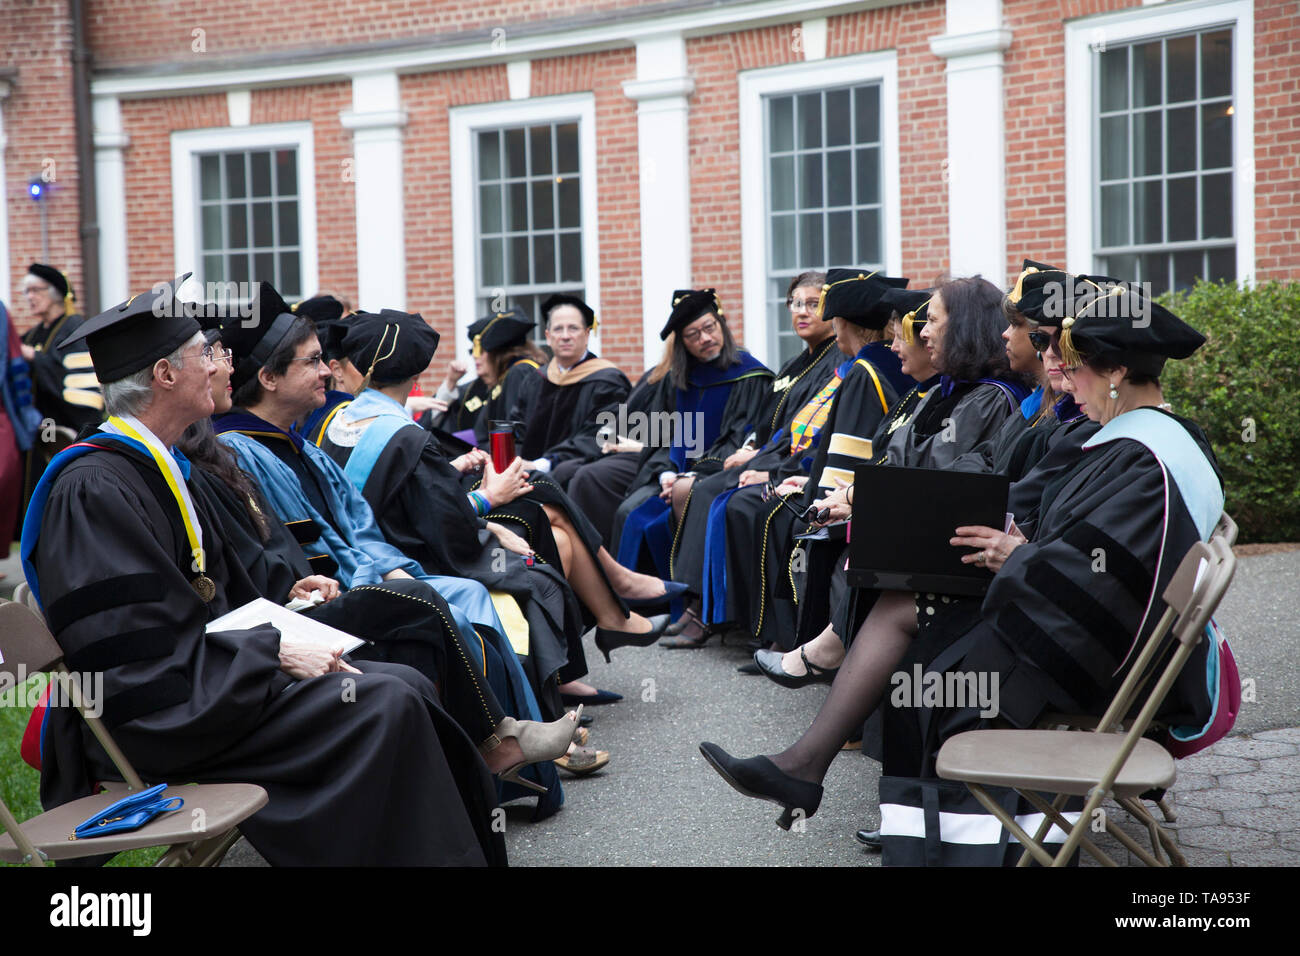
(1114, 760)
(194, 839)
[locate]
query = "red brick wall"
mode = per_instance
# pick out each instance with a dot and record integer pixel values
(38, 123)
(1277, 140)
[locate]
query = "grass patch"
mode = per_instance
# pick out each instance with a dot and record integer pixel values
(20, 785)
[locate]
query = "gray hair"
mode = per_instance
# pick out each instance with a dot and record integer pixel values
(133, 394)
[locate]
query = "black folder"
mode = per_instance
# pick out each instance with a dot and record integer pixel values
(903, 519)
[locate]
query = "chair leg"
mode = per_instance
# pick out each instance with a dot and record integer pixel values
(1166, 839)
(1167, 809)
(1043, 829)
(201, 852)
(1053, 814)
(989, 804)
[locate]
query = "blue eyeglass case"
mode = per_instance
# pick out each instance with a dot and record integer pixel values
(129, 813)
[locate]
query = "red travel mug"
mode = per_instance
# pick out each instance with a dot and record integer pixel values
(502, 438)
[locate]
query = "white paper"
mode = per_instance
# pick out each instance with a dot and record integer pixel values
(290, 624)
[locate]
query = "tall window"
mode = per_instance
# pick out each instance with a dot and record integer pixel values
(1164, 160)
(823, 191)
(249, 226)
(529, 215)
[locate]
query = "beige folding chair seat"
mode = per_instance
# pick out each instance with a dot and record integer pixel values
(195, 838)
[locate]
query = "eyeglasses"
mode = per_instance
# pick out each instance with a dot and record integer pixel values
(312, 361)
(220, 355)
(1069, 371)
(811, 515)
(694, 334)
(1040, 340)
(802, 305)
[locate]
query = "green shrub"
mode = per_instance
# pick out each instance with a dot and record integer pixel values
(1243, 388)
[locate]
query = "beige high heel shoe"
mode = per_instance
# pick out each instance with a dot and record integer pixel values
(537, 741)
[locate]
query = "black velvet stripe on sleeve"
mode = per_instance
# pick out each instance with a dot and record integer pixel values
(304, 531)
(1120, 562)
(103, 596)
(323, 564)
(113, 650)
(1091, 615)
(1037, 645)
(167, 691)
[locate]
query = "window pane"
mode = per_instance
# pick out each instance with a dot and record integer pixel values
(1147, 147)
(571, 257)
(286, 172)
(489, 155)
(212, 227)
(1125, 265)
(516, 207)
(238, 268)
(810, 120)
(237, 226)
(235, 176)
(290, 275)
(1114, 79)
(812, 249)
(1182, 139)
(867, 187)
(810, 181)
(839, 118)
(209, 177)
(839, 178)
(780, 112)
(1223, 264)
(1216, 136)
(263, 225)
(288, 223)
(518, 261)
(1180, 69)
(1148, 206)
(214, 269)
(1216, 64)
(839, 226)
(489, 205)
(1216, 206)
(782, 182)
(1182, 209)
(492, 262)
(566, 148)
(1155, 270)
(544, 258)
(570, 203)
(868, 237)
(264, 268)
(516, 160)
(543, 204)
(1146, 74)
(783, 247)
(539, 144)
(866, 112)
(1114, 147)
(1114, 215)
(261, 166)
(1187, 268)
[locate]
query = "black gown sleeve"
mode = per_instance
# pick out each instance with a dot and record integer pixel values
(608, 389)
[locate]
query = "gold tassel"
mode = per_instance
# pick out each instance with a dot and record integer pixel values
(595, 323)
(68, 297)
(1018, 291)
(1070, 358)
(397, 329)
(908, 323)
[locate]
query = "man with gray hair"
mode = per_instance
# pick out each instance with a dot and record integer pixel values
(360, 763)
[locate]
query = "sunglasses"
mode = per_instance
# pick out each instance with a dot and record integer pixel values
(811, 515)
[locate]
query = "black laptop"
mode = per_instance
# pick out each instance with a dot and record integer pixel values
(903, 519)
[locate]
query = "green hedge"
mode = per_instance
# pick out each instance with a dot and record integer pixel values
(1244, 384)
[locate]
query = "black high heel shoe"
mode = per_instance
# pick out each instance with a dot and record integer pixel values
(759, 777)
(608, 640)
(674, 634)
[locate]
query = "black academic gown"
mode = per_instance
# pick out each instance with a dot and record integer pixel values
(1053, 629)
(360, 768)
(60, 389)
(562, 420)
(463, 412)
(417, 499)
(795, 385)
(510, 397)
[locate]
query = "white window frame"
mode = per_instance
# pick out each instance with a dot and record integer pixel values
(186, 147)
(1150, 23)
(879, 67)
(466, 121)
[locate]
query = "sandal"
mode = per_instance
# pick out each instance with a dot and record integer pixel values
(583, 760)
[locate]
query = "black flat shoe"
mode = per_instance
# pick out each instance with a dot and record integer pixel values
(769, 662)
(608, 640)
(869, 838)
(760, 778)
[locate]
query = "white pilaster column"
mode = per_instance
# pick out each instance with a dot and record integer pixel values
(110, 200)
(376, 120)
(5, 291)
(662, 91)
(976, 171)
